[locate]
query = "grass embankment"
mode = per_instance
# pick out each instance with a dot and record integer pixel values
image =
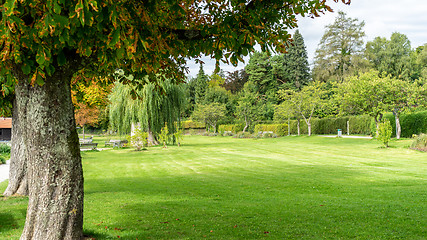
(225, 188)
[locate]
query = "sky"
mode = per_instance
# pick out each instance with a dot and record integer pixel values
(381, 17)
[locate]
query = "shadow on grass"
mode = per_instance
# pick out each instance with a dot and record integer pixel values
(7, 222)
(91, 235)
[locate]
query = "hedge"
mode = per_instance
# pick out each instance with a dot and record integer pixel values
(411, 123)
(193, 125)
(279, 129)
(234, 128)
(358, 125)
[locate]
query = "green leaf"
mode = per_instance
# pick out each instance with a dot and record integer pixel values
(120, 53)
(61, 20)
(40, 56)
(61, 58)
(9, 6)
(26, 69)
(56, 8)
(116, 37)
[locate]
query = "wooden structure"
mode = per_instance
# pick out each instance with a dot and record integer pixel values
(5, 129)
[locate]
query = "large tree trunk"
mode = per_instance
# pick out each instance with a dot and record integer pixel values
(18, 184)
(398, 127)
(151, 138)
(55, 177)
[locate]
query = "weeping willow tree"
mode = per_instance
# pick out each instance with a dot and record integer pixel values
(150, 107)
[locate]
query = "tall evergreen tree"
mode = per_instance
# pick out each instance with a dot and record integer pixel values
(200, 85)
(260, 73)
(291, 69)
(339, 52)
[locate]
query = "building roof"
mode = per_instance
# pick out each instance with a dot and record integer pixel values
(5, 122)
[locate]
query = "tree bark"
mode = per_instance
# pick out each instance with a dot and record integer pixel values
(298, 126)
(18, 184)
(246, 124)
(55, 176)
(398, 127)
(151, 138)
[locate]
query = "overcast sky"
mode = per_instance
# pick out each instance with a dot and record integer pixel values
(382, 18)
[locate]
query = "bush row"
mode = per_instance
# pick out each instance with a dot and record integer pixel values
(357, 125)
(279, 129)
(189, 124)
(411, 123)
(233, 128)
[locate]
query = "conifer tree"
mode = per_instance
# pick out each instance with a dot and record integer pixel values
(291, 68)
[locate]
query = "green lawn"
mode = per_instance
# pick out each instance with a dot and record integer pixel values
(226, 188)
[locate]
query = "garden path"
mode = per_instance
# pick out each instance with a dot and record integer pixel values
(4, 171)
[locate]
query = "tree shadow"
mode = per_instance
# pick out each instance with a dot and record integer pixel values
(7, 222)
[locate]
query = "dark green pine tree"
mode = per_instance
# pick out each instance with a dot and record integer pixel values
(199, 85)
(291, 70)
(259, 70)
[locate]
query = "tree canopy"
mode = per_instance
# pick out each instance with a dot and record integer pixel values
(145, 37)
(339, 48)
(391, 56)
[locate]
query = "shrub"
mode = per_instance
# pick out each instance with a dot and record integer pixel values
(411, 123)
(209, 134)
(139, 140)
(227, 134)
(278, 129)
(360, 124)
(178, 136)
(243, 135)
(384, 132)
(193, 132)
(189, 124)
(414, 123)
(2, 160)
(420, 143)
(164, 136)
(329, 125)
(234, 128)
(294, 127)
(269, 135)
(4, 148)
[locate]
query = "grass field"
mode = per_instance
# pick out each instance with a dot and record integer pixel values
(226, 188)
